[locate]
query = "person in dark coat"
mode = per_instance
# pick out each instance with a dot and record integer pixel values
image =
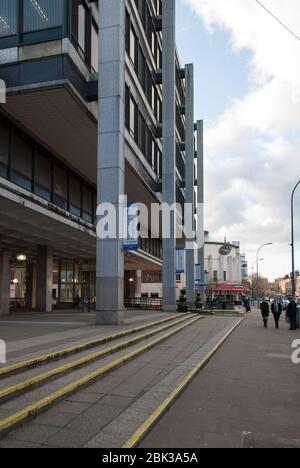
(276, 309)
(265, 312)
(292, 313)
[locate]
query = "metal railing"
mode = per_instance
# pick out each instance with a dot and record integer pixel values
(143, 303)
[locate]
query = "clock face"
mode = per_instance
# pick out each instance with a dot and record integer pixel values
(225, 250)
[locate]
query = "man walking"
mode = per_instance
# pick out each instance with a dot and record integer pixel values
(276, 309)
(292, 313)
(265, 312)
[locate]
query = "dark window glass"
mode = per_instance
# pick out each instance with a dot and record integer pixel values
(42, 14)
(127, 107)
(4, 149)
(127, 32)
(87, 205)
(61, 188)
(22, 162)
(43, 175)
(133, 113)
(75, 196)
(8, 18)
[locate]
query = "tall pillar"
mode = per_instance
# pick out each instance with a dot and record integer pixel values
(169, 152)
(44, 280)
(189, 183)
(30, 295)
(111, 157)
(138, 283)
(4, 283)
(200, 203)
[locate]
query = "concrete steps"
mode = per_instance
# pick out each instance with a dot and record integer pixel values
(26, 377)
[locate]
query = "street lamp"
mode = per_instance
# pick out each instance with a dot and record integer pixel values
(293, 240)
(257, 260)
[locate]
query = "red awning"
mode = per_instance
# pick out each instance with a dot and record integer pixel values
(230, 288)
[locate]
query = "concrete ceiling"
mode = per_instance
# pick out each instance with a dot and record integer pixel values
(22, 230)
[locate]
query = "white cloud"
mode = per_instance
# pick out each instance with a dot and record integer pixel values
(253, 149)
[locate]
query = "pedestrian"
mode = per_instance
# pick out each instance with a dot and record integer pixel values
(276, 309)
(265, 312)
(292, 313)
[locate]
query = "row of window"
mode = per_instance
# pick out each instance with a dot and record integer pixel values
(141, 133)
(151, 246)
(28, 165)
(29, 21)
(143, 72)
(149, 28)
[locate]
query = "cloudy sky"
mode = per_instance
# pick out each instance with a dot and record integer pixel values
(248, 93)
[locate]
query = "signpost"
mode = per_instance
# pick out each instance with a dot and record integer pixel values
(131, 232)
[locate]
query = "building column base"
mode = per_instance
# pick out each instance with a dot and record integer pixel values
(170, 308)
(4, 284)
(110, 301)
(110, 317)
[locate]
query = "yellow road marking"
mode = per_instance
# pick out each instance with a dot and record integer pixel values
(77, 348)
(157, 414)
(13, 390)
(35, 408)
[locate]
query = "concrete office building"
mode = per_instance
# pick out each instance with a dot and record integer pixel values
(95, 109)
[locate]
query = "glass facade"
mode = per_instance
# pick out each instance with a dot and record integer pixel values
(31, 167)
(8, 17)
(76, 279)
(30, 21)
(42, 14)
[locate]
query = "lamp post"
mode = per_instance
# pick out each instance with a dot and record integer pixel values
(293, 240)
(257, 260)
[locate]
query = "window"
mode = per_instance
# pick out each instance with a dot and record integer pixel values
(133, 113)
(79, 23)
(43, 175)
(22, 162)
(87, 213)
(75, 196)
(4, 149)
(225, 275)
(42, 14)
(61, 187)
(133, 47)
(8, 18)
(215, 276)
(94, 47)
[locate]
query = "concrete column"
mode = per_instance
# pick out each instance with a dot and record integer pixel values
(169, 151)
(111, 157)
(189, 183)
(200, 202)
(30, 295)
(4, 283)
(44, 283)
(138, 283)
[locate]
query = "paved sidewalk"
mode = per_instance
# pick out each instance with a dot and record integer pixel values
(247, 396)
